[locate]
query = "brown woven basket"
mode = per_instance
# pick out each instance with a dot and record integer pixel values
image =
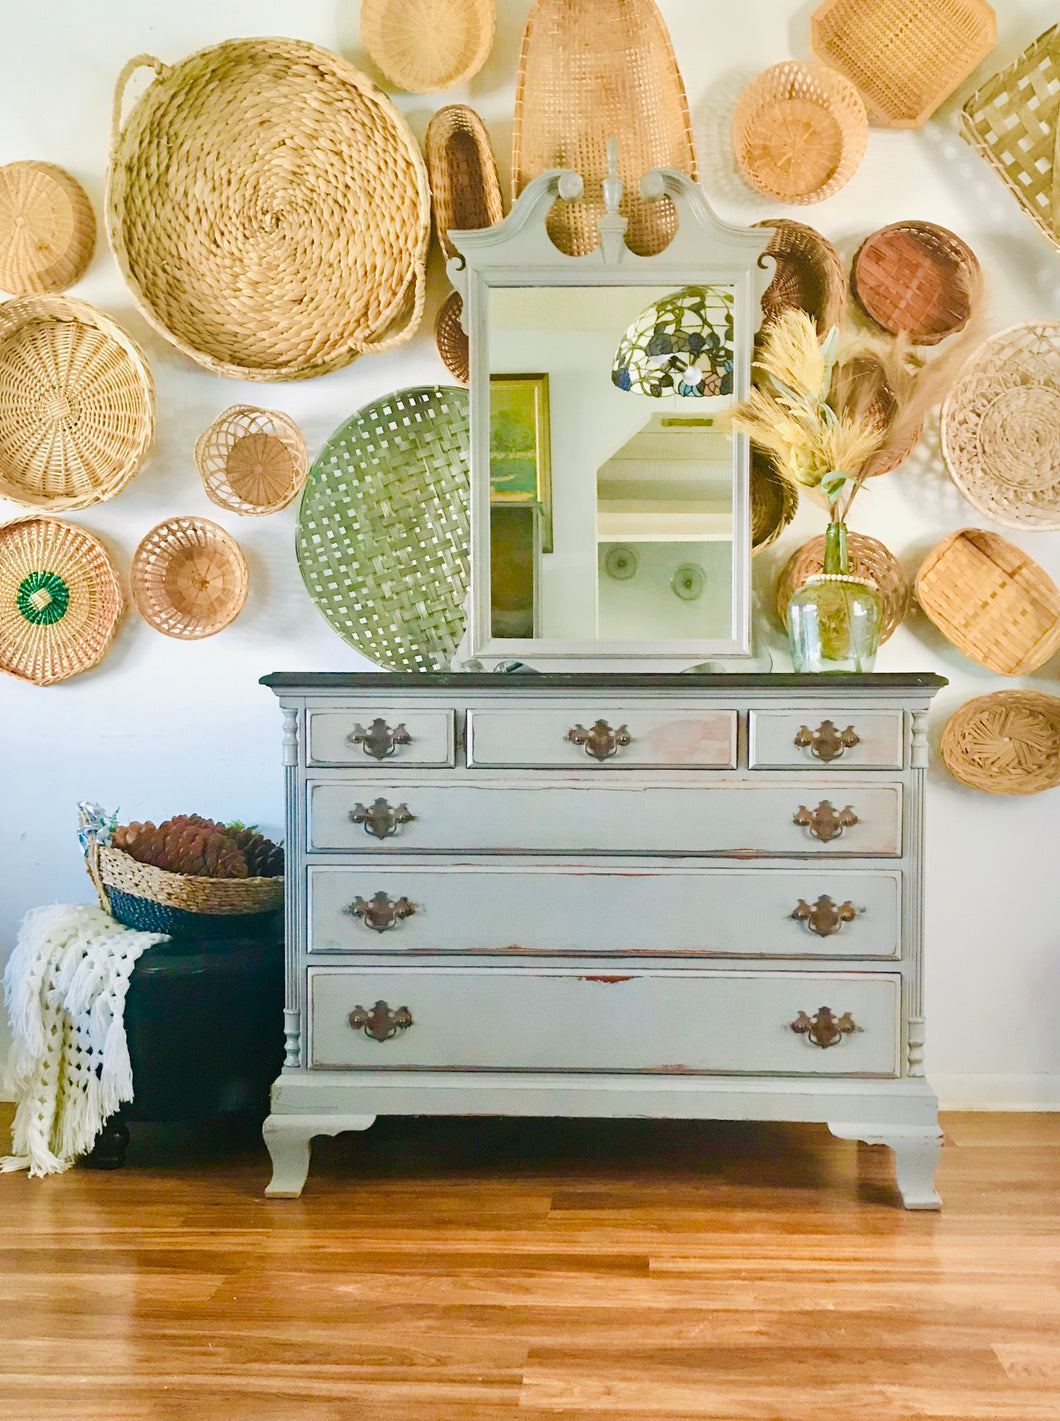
(1007, 742)
(465, 188)
(809, 275)
(251, 461)
(855, 371)
(109, 867)
(47, 229)
(590, 70)
(905, 56)
(774, 502)
(60, 600)
(269, 208)
(991, 601)
(77, 404)
(915, 279)
(1000, 427)
(799, 132)
(431, 45)
(869, 559)
(189, 578)
(451, 339)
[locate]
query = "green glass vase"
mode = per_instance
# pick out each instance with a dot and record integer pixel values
(834, 619)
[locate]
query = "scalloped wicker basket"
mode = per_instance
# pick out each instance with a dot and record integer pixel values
(915, 279)
(465, 187)
(869, 559)
(189, 578)
(47, 228)
(451, 339)
(251, 461)
(426, 46)
(774, 502)
(1007, 742)
(809, 275)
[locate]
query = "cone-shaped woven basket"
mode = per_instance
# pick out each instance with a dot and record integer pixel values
(189, 578)
(47, 228)
(425, 46)
(809, 275)
(251, 461)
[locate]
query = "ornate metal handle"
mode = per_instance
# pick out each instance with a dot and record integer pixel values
(601, 742)
(380, 739)
(382, 820)
(824, 918)
(824, 1029)
(381, 1022)
(827, 742)
(824, 822)
(382, 912)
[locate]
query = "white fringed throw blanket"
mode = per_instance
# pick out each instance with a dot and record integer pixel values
(64, 988)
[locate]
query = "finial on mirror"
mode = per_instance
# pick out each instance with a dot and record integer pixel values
(611, 226)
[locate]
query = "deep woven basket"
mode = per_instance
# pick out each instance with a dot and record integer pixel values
(915, 279)
(431, 45)
(1005, 743)
(590, 70)
(809, 275)
(465, 188)
(869, 559)
(799, 132)
(269, 208)
(991, 601)
(1000, 427)
(189, 578)
(905, 56)
(451, 339)
(774, 502)
(251, 461)
(47, 228)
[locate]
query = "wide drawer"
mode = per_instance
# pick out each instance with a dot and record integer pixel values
(586, 910)
(609, 815)
(381, 736)
(841, 739)
(577, 737)
(666, 1022)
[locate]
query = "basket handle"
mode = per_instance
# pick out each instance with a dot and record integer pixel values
(138, 61)
(372, 347)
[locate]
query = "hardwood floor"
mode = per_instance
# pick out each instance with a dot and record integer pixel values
(477, 1270)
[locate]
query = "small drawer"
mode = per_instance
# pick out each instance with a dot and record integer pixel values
(602, 736)
(676, 1022)
(811, 738)
(381, 736)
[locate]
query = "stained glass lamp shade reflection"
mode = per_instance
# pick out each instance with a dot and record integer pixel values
(679, 345)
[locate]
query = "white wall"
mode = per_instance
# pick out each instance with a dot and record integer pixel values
(163, 727)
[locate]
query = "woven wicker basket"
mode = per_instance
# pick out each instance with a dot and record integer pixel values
(856, 371)
(774, 502)
(47, 229)
(915, 279)
(451, 339)
(269, 208)
(869, 559)
(189, 578)
(809, 275)
(590, 70)
(430, 45)
(251, 461)
(905, 56)
(799, 132)
(1000, 427)
(1005, 743)
(465, 188)
(77, 404)
(60, 600)
(991, 601)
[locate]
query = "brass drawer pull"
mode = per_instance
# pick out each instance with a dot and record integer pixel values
(382, 912)
(824, 822)
(382, 819)
(379, 740)
(827, 742)
(601, 742)
(824, 1029)
(382, 1022)
(823, 917)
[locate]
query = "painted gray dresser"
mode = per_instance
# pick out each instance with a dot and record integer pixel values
(613, 895)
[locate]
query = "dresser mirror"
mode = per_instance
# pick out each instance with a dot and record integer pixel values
(609, 511)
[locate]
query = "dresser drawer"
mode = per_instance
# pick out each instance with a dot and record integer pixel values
(587, 910)
(842, 740)
(578, 737)
(381, 736)
(610, 815)
(665, 1022)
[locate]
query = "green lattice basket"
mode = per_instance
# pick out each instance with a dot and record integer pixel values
(383, 528)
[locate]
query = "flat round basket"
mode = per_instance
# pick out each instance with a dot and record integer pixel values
(869, 559)
(60, 600)
(991, 601)
(774, 502)
(424, 46)
(465, 188)
(47, 229)
(799, 132)
(809, 275)
(1005, 743)
(251, 461)
(77, 404)
(383, 529)
(269, 208)
(915, 279)
(1000, 427)
(451, 339)
(189, 578)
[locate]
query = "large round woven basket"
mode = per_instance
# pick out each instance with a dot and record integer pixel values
(77, 404)
(774, 502)
(451, 339)
(1007, 742)
(189, 578)
(915, 279)
(869, 559)
(465, 187)
(809, 275)
(47, 228)
(424, 46)
(1000, 427)
(251, 461)
(60, 600)
(269, 208)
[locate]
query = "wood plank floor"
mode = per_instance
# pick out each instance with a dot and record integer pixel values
(478, 1270)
